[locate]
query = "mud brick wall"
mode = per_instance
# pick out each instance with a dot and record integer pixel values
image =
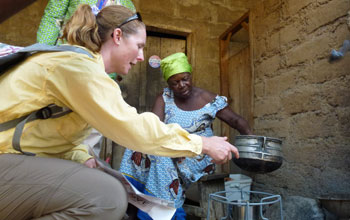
(300, 96)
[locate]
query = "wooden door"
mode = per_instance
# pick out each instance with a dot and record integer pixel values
(240, 87)
(236, 74)
(143, 83)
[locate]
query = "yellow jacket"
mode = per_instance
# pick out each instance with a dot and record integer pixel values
(74, 80)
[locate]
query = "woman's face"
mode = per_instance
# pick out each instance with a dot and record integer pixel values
(181, 84)
(130, 51)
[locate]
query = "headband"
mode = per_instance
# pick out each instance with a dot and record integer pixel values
(175, 64)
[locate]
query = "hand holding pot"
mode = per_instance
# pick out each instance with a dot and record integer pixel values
(259, 154)
(219, 149)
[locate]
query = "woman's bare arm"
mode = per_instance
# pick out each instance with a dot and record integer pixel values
(234, 120)
(158, 107)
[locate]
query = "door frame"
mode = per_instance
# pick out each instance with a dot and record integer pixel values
(224, 57)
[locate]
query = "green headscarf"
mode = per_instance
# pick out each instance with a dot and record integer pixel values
(175, 64)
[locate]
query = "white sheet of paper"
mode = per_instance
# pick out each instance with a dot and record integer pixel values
(155, 207)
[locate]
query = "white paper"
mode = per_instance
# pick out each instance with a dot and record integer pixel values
(155, 207)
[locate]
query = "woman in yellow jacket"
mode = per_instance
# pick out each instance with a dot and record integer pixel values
(54, 184)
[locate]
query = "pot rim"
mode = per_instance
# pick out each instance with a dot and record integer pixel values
(258, 137)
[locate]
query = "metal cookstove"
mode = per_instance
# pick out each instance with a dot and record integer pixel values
(243, 209)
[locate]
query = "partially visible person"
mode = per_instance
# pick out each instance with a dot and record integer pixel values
(55, 184)
(57, 12)
(194, 109)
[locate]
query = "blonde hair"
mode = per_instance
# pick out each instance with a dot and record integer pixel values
(90, 31)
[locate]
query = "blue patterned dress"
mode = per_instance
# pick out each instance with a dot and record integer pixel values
(165, 177)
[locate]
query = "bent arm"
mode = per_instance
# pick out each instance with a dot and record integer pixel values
(97, 99)
(159, 107)
(234, 120)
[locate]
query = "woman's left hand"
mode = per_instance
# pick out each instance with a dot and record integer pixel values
(91, 163)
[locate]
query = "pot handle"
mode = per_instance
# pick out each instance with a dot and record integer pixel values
(263, 144)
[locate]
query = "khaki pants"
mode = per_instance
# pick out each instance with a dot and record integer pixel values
(46, 189)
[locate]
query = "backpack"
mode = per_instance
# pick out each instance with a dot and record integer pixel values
(13, 56)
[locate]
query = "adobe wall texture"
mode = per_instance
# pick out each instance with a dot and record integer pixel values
(300, 96)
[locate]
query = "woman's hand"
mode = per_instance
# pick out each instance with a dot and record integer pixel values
(91, 163)
(219, 149)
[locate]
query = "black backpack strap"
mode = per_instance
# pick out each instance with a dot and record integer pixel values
(18, 133)
(10, 60)
(15, 58)
(50, 111)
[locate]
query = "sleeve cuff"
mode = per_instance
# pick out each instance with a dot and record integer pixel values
(197, 143)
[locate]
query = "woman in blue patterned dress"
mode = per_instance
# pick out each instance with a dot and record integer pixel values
(192, 108)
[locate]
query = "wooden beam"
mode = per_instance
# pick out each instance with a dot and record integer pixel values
(235, 26)
(224, 57)
(224, 43)
(224, 85)
(245, 25)
(251, 46)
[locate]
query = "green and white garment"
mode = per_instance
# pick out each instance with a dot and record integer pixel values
(59, 11)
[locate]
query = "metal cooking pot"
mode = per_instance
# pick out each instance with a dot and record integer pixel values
(258, 154)
(338, 204)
